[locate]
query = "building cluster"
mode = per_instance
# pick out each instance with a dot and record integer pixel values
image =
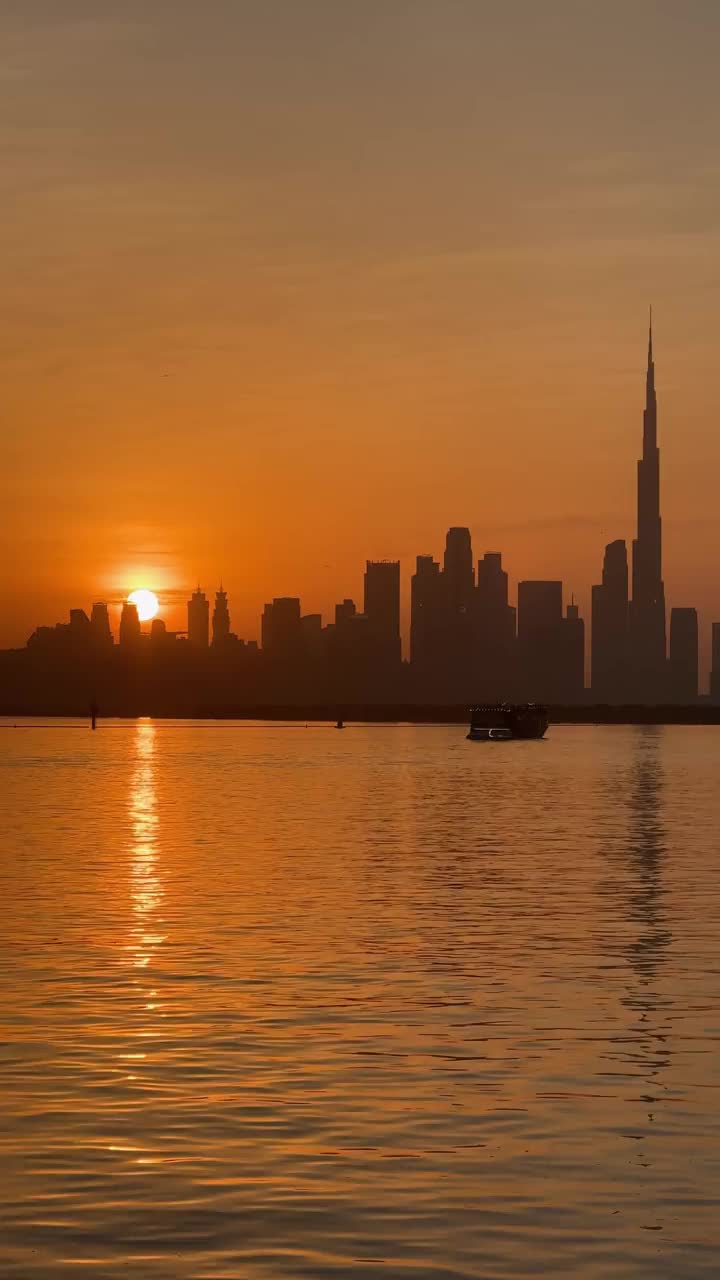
(467, 642)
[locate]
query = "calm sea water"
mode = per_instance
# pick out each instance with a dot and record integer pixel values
(287, 1002)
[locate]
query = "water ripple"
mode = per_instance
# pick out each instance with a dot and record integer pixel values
(286, 1003)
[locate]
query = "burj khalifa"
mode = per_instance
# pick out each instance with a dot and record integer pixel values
(648, 592)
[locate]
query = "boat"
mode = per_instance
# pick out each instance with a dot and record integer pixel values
(503, 721)
(479, 733)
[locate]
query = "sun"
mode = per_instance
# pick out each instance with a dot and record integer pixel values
(146, 603)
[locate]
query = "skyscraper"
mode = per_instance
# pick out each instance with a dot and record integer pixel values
(100, 632)
(647, 614)
(349, 652)
(427, 622)
(572, 674)
(715, 663)
(541, 641)
(539, 608)
(382, 609)
(683, 655)
(494, 630)
(458, 569)
(281, 629)
(220, 620)
(610, 621)
(313, 639)
(459, 598)
(130, 633)
(198, 619)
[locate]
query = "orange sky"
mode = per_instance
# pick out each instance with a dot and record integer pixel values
(291, 283)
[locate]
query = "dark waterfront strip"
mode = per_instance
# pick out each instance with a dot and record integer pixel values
(708, 714)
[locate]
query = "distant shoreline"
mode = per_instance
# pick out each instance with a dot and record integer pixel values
(701, 714)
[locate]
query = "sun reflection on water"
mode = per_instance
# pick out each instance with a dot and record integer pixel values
(146, 887)
(147, 894)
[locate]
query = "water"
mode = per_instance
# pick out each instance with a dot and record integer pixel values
(282, 1002)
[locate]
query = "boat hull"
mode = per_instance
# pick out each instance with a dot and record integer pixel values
(527, 722)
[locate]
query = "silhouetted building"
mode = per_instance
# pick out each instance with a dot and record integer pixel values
(459, 592)
(281, 629)
(159, 637)
(130, 633)
(458, 569)
(66, 639)
(220, 620)
(610, 628)
(348, 650)
(539, 608)
(42, 638)
(198, 613)
(492, 583)
(541, 649)
(493, 632)
(572, 675)
(100, 631)
(427, 625)
(647, 614)
(715, 663)
(80, 625)
(683, 655)
(382, 610)
(313, 641)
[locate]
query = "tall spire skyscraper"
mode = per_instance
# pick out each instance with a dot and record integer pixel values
(648, 591)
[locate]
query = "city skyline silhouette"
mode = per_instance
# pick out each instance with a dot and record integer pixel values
(295, 311)
(468, 642)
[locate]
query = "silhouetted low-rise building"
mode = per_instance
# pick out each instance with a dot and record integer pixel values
(344, 610)
(66, 639)
(162, 641)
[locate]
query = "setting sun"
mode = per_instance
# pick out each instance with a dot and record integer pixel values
(146, 603)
